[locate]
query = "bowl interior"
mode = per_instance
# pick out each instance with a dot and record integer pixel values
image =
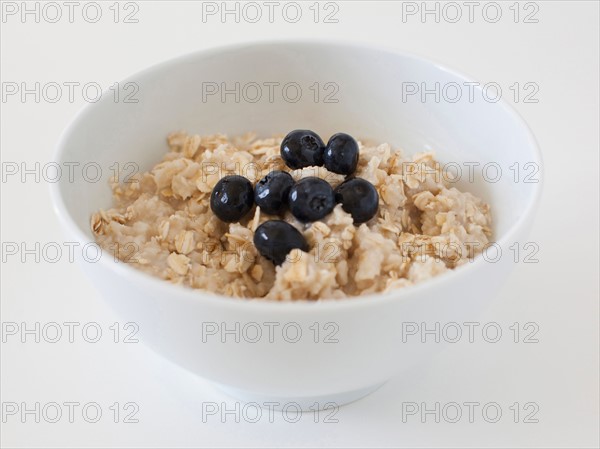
(276, 87)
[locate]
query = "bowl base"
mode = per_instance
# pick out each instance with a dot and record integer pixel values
(304, 403)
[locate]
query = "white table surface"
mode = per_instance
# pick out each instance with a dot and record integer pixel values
(559, 294)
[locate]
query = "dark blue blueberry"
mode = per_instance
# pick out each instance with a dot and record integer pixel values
(311, 199)
(274, 239)
(341, 154)
(302, 148)
(232, 198)
(359, 198)
(271, 192)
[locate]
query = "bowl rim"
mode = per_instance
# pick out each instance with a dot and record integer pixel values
(215, 299)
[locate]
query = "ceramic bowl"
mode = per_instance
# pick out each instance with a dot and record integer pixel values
(303, 352)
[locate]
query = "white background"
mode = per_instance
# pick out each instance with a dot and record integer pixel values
(559, 294)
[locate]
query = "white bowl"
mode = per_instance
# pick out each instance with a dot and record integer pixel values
(369, 330)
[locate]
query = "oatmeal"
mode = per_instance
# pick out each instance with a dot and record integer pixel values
(421, 226)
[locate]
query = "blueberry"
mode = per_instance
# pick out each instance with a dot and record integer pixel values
(302, 148)
(232, 198)
(271, 192)
(341, 154)
(311, 199)
(274, 239)
(359, 198)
